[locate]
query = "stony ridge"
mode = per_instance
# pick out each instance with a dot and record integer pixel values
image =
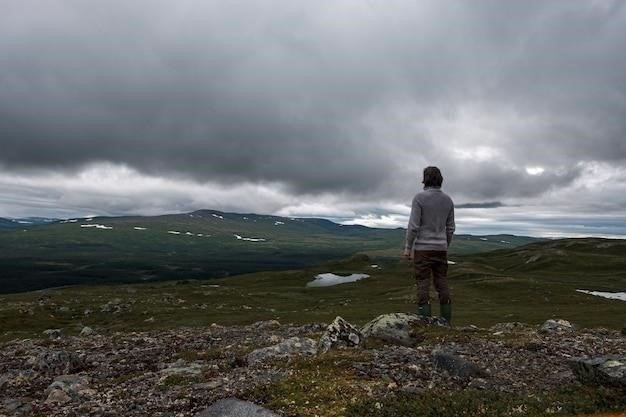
(181, 372)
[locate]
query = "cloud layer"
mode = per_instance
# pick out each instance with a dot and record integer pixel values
(325, 107)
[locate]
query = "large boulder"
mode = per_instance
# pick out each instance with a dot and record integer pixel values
(609, 369)
(339, 333)
(556, 326)
(290, 347)
(399, 328)
(233, 407)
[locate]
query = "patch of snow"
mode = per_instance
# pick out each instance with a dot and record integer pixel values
(610, 295)
(374, 266)
(451, 262)
(329, 279)
(483, 238)
(89, 220)
(97, 226)
(245, 218)
(174, 232)
(249, 239)
(139, 228)
(217, 216)
(278, 223)
(200, 234)
(23, 222)
(189, 233)
(72, 220)
(504, 241)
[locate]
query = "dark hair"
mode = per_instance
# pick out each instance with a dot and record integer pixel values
(432, 177)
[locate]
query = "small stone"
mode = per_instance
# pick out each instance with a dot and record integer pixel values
(233, 407)
(456, 365)
(58, 396)
(508, 327)
(53, 333)
(57, 362)
(87, 331)
(265, 325)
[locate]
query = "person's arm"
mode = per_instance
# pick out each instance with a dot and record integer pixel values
(413, 228)
(450, 225)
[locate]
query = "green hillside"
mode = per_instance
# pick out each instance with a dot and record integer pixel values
(486, 289)
(200, 245)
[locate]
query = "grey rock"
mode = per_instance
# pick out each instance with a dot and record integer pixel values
(290, 347)
(456, 365)
(398, 328)
(556, 326)
(339, 333)
(53, 333)
(610, 369)
(180, 367)
(87, 331)
(57, 362)
(233, 407)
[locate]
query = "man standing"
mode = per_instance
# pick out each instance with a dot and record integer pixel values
(428, 237)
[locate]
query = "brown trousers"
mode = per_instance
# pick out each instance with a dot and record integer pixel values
(433, 262)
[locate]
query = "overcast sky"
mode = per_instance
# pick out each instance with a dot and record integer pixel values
(317, 108)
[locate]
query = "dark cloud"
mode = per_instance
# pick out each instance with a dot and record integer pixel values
(488, 204)
(346, 97)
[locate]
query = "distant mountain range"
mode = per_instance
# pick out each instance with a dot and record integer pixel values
(24, 222)
(202, 244)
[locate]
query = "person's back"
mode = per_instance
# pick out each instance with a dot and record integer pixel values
(436, 220)
(429, 234)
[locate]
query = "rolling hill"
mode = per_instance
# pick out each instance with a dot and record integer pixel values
(199, 245)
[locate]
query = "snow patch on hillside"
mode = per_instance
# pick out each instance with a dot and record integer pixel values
(249, 239)
(610, 295)
(330, 279)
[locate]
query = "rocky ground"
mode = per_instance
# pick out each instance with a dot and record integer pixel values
(305, 370)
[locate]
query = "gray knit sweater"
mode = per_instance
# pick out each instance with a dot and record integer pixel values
(431, 224)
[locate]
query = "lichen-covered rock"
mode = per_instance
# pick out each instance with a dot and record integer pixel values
(457, 365)
(290, 347)
(339, 333)
(556, 326)
(57, 362)
(609, 369)
(398, 328)
(233, 407)
(180, 367)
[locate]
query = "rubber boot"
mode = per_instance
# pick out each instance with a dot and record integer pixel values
(424, 310)
(446, 312)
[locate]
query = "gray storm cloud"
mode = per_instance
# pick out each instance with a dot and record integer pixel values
(352, 97)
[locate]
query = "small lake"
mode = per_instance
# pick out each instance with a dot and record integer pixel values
(609, 295)
(329, 279)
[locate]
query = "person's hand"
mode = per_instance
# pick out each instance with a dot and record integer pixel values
(407, 254)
